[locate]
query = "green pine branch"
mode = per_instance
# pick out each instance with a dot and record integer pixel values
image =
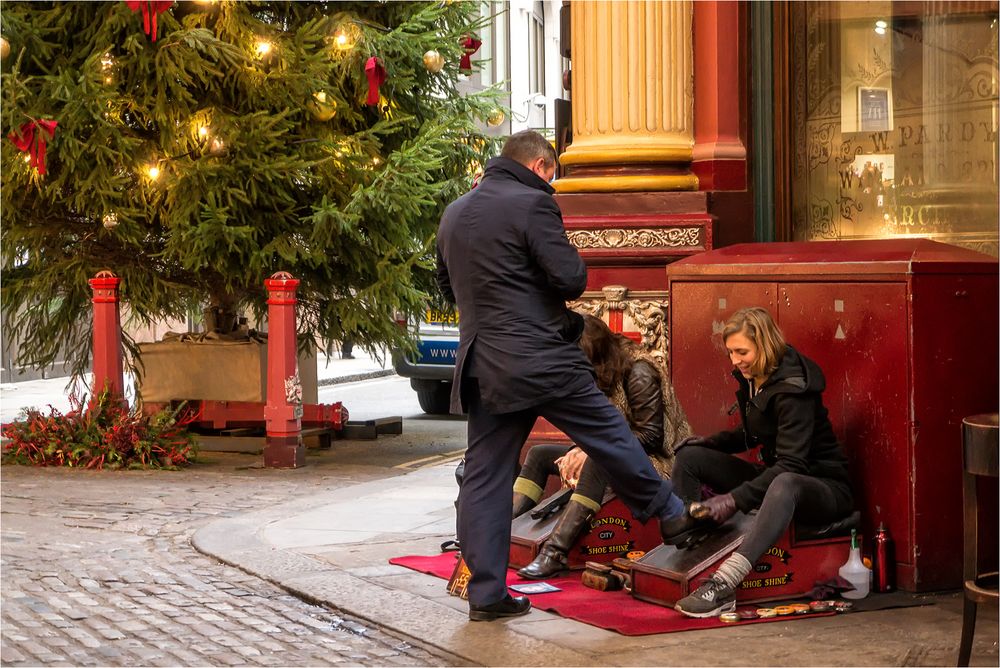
(252, 178)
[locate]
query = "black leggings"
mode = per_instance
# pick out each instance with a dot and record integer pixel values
(810, 500)
(541, 463)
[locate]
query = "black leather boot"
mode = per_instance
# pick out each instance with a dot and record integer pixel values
(522, 504)
(676, 530)
(551, 558)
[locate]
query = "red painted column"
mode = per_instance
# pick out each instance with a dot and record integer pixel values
(719, 108)
(107, 357)
(616, 320)
(283, 410)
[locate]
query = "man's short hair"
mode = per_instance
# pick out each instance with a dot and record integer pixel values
(527, 146)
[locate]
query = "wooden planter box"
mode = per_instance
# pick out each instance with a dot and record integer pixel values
(214, 371)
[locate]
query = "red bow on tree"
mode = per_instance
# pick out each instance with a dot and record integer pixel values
(33, 143)
(471, 45)
(150, 8)
(376, 77)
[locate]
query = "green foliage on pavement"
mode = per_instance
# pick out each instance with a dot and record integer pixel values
(103, 435)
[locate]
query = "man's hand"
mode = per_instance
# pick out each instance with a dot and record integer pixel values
(570, 466)
(720, 508)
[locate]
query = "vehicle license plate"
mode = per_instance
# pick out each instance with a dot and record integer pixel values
(439, 317)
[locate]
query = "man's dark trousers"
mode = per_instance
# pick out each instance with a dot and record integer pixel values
(495, 441)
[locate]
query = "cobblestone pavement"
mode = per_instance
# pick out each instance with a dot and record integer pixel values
(98, 569)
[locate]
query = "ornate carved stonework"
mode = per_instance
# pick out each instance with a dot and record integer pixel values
(649, 316)
(670, 237)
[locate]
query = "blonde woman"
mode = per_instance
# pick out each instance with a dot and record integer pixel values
(803, 473)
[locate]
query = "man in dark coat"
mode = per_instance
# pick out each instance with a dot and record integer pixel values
(504, 259)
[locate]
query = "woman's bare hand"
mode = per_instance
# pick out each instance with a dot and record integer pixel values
(570, 465)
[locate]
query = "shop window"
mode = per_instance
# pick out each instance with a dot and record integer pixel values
(495, 42)
(536, 48)
(893, 121)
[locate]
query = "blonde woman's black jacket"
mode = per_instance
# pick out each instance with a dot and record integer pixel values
(788, 419)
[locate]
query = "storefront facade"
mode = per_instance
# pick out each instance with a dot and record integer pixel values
(697, 125)
(892, 123)
(700, 125)
(840, 120)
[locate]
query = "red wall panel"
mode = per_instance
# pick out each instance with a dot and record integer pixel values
(906, 331)
(697, 314)
(857, 333)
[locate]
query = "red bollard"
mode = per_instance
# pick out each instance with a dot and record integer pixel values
(107, 359)
(283, 410)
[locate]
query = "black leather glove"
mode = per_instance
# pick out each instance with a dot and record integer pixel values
(720, 507)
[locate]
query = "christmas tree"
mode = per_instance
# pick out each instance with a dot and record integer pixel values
(195, 148)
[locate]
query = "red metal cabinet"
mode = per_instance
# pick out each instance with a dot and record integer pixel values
(906, 332)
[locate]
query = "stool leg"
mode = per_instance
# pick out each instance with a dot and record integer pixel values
(968, 629)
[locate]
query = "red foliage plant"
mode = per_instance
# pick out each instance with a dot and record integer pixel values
(103, 435)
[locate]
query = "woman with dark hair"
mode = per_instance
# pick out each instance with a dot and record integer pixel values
(635, 382)
(804, 471)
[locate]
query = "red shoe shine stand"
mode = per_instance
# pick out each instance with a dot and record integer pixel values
(789, 569)
(612, 533)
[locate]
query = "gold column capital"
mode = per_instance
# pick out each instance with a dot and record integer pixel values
(633, 97)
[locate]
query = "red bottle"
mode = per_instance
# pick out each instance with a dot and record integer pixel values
(883, 561)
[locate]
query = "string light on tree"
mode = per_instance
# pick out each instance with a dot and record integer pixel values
(264, 48)
(153, 172)
(346, 36)
(433, 61)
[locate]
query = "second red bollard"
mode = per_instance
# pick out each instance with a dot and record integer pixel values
(283, 410)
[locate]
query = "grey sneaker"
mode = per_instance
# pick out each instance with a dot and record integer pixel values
(712, 598)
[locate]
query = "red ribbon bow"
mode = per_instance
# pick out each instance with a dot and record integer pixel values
(376, 77)
(150, 8)
(471, 45)
(27, 140)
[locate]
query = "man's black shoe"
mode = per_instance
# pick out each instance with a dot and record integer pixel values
(676, 530)
(508, 607)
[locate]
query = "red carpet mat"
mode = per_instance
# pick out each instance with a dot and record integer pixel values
(614, 610)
